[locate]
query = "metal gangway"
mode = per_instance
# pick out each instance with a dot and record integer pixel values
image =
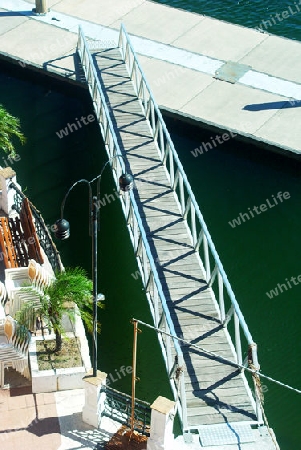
(192, 303)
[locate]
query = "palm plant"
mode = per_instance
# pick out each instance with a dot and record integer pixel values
(9, 128)
(70, 287)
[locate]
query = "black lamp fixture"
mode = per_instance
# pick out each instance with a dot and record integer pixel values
(62, 229)
(62, 226)
(62, 232)
(126, 182)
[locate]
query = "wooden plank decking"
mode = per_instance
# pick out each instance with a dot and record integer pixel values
(216, 392)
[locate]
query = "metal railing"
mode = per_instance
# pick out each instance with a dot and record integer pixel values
(118, 406)
(188, 206)
(170, 347)
(42, 231)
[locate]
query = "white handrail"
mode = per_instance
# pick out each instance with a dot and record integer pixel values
(141, 247)
(178, 176)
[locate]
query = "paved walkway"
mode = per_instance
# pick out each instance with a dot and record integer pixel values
(222, 75)
(51, 421)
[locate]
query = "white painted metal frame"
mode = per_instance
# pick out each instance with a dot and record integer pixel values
(14, 353)
(170, 347)
(199, 233)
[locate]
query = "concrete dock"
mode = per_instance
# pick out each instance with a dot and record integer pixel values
(209, 72)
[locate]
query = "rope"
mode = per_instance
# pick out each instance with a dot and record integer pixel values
(268, 428)
(259, 394)
(177, 377)
(225, 360)
(255, 376)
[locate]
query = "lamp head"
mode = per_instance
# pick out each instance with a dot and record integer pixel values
(62, 229)
(126, 182)
(100, 298)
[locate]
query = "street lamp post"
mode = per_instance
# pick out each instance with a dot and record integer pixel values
(62, 231)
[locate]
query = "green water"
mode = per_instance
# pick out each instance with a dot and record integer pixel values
(257, 255)
(48, 167)
(265, 250)
(279, 17)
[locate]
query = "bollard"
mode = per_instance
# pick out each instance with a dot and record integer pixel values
(161, 430)
(94, 398)
(41, 7)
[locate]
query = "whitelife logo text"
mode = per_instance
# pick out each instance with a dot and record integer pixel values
(274, 201)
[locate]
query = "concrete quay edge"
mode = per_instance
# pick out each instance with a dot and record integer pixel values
(188, 110)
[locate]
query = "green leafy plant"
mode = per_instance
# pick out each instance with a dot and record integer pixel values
(70, 287)
(9, 128)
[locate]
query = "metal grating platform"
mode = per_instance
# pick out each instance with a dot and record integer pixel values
(226, 433)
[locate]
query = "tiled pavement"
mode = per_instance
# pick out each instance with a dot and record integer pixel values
(28, 421)
(52, 421)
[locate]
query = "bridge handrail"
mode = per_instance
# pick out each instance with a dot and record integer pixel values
(162, 137)
(137, 233)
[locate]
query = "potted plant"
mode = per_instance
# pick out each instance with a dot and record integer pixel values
(68, 295)
(70, 287)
